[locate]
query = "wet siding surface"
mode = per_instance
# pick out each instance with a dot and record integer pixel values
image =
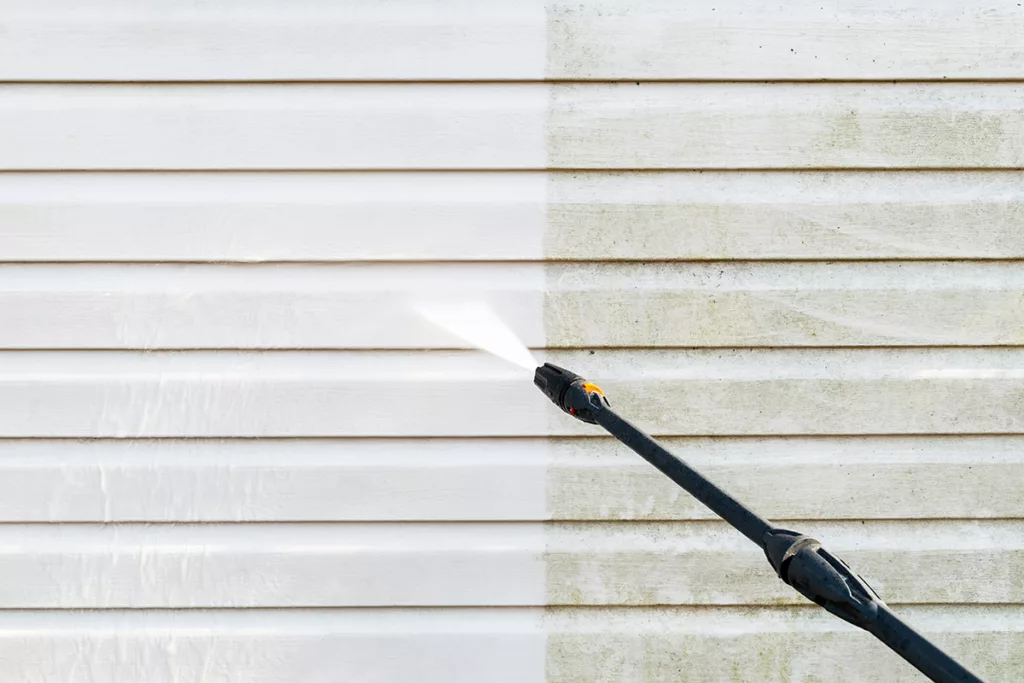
(787, 240)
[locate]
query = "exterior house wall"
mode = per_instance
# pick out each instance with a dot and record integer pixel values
(787, 239)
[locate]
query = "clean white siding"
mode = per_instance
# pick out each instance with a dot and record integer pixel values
(788, 239)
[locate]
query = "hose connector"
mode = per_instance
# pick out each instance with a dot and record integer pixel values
(822, 577)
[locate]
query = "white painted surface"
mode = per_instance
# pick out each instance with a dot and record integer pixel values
(466, 564)
(511, 39)
(512, 126)
(494, 479)
(480, 645)
(500, 216)
(298, 126)
(284, 565)
(282, 306)
(406, 517)
(274, 480)
(322, 393)
(266, 40)
(381, 306)
(272, 216)
(273, 646)
(441, 393)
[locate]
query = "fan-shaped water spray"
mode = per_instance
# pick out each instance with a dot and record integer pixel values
(476, 323)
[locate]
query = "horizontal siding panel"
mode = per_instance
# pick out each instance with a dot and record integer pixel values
(352, 306)
(371, 306)
(512, 126)
(275, 646)
(527, 564)
(752, 40)
(452, 216)
(784, 215)
(752, 305)
(710, 563)
(507, 39)
(240, 126)
(776, 645)
(274, 480)
(795, 478)
(303, 565)
(507, 645)
(668, 125)
(119, 40)
(735, 392)
(502, 479)
(390, 216)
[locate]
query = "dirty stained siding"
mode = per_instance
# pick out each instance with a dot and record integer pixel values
(787, 239)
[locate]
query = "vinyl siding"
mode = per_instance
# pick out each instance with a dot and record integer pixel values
(787, 240)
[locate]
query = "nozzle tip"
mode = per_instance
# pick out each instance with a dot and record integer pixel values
(557, 384)
(553, 381)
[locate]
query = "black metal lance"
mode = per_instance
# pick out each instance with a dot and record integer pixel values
(800, 561)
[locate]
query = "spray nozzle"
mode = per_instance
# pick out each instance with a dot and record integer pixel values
(570, 392)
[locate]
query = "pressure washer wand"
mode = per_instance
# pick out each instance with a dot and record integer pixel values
(798, 560)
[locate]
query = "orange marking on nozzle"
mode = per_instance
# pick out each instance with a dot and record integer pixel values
(588, 387)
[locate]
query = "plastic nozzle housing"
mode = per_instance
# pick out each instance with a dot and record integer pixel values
(570, 392)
